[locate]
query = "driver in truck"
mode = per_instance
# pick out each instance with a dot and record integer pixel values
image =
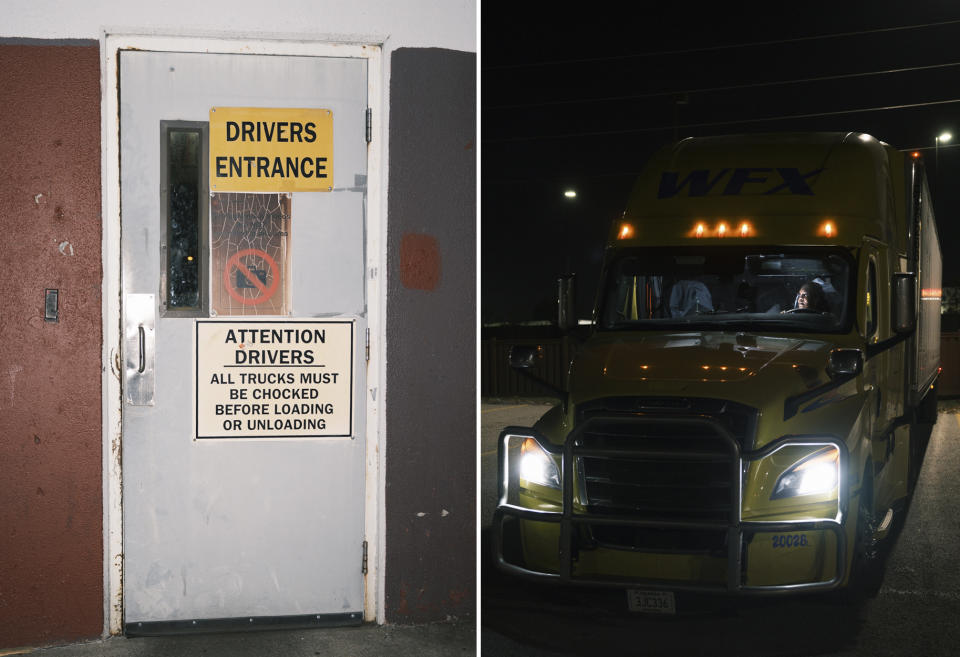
(811, 297)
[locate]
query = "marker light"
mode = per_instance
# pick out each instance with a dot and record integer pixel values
(536, 466)
(916, 154)
(625, 232)
(721, 229)
(827, 229)
(570, 193)
(812, 475)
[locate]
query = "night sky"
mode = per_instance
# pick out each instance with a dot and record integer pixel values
(582, 100)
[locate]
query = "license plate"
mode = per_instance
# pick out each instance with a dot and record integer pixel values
(651, 602)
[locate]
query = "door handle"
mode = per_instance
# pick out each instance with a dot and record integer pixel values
(143, 355)
(139, 339)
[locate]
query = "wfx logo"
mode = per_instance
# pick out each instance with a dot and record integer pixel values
(701, 182)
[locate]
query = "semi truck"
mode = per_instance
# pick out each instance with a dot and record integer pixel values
(746, 413)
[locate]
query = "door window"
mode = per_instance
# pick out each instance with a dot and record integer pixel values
(183, 185)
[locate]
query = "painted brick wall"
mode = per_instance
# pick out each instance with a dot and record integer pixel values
(51, 540)
(431, 337)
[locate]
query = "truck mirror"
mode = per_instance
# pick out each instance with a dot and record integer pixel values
(523, 357)
(566, 302)
(904, 295)
(843, 362)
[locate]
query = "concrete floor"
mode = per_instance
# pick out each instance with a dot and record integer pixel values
(456, 638)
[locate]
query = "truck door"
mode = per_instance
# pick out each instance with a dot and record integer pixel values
(243, 413)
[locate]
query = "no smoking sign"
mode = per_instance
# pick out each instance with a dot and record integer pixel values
(251, 277)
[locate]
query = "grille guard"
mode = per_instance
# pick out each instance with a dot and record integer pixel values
(736, 528)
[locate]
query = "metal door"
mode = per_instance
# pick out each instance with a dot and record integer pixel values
(249, 527)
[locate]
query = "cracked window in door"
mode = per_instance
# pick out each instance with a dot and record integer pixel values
(250, 254)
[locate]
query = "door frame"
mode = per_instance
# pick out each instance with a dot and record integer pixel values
(111, 44)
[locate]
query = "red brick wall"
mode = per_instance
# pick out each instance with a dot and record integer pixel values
(51, 537)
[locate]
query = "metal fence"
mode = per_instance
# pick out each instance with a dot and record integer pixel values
(498, 379)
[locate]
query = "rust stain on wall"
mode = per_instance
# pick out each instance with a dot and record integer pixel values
(419, 262)
(51, 534)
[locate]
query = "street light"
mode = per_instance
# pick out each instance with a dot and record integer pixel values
(569, 195)
(942, 138)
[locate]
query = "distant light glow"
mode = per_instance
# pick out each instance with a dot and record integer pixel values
(916, 154)
(828, 229)
(189, 258)
(700, 229)
(570, 193)
(744, 229)
(722, 229)
(944, 137)
(625, 232)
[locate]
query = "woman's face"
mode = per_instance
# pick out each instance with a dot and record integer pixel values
(803, 298)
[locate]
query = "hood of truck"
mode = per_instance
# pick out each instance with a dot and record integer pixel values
(759, 371)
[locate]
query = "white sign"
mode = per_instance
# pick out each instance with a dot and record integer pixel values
(279, 379)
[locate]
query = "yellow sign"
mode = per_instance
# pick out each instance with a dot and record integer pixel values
(257, 149)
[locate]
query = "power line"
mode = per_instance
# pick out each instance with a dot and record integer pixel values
(942, 147)
(684, 51)
(553, 177)
(633, 173)
(606, 133)
(733, 87)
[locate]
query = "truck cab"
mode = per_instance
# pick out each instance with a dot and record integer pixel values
(741, 417)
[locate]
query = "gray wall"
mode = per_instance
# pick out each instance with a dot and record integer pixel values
(431, 337)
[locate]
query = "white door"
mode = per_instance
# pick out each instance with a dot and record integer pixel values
(244, 316)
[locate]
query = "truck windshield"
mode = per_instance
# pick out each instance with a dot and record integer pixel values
(728, 287)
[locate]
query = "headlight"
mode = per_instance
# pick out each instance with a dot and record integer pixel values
(816, 474)
(536, 466)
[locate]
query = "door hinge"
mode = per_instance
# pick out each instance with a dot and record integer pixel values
(364, 568)
(369, 124)
(368, 345)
